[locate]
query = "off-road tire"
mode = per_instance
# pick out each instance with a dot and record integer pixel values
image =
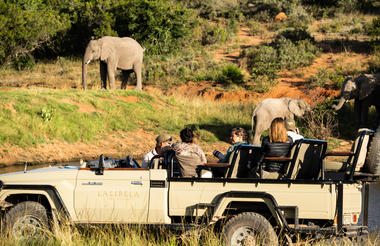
(373, 155)
(26, 220)
(249, 229)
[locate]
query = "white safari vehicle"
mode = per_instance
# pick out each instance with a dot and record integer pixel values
(311, 196)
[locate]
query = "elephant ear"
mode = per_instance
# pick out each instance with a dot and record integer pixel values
(367, 84)
(295, 108)
(106, 51)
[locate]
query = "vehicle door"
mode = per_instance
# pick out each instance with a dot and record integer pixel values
(117, 195)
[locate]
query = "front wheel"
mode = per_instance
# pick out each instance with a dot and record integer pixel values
(249, 229)
(26, 220)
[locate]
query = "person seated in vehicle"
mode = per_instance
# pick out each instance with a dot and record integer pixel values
(292, 130)
(162, 141)
(238, 137)
(277, 144)
(188, 154)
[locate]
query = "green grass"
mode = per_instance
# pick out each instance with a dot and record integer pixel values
(137, 235)
(37, 115)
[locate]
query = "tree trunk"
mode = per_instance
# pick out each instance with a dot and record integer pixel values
(84, 74)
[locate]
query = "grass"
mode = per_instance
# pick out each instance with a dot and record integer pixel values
(37, 115)
(66, 234)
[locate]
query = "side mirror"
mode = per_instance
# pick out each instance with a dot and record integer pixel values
(100, 169)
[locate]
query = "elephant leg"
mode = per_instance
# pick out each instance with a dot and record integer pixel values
(125, 77)
(111, 76)
(137, 70)
(364, 107)
(256, 138)
(103, 74)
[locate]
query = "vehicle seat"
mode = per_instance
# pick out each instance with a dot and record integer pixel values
(157, 162)
(354, 161)
(244, 159)
(307, 157)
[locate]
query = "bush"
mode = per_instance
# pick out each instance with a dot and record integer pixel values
(262, 61)
(321, 122)
(374, 31)
(295, 34)
(27, 25)
(230, 75)
(23, 62)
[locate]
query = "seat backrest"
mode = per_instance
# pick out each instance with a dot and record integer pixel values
(307, 159)
(233, 160)
(360, 149)
(243, 160)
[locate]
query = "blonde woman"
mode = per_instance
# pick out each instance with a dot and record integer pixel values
(277, 144)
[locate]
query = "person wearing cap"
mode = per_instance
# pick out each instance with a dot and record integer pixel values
(292, 131)
(162, 141)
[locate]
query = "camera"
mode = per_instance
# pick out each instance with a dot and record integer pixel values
(218, 155)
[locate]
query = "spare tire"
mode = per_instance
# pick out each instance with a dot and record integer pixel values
(373, 155)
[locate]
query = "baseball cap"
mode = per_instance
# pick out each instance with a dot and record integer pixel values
(163, 138)
(290, 124)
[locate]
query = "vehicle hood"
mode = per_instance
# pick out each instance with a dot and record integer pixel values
(41, 176)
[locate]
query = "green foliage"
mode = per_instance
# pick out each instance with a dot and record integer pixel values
(374, 31)
(295, 34)
(266, 60)
(26, 25)
(159, 25)
(321, 122)
(47, 113)
(324, 78)
(230, 75)
(23, 62)
(374, 65)
(215, 8)
(262, 61)
(320, 79)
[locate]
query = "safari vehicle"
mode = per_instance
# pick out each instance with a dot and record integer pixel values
(308, 198)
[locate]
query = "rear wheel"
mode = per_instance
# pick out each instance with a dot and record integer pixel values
(249, 229)
(373, 155)
(26, 220)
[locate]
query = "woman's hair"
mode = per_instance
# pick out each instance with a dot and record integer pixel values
(186, 135)
(239, 131)
(277, 131)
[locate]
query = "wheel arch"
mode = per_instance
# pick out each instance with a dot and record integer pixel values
(47, 195)
(235, 202)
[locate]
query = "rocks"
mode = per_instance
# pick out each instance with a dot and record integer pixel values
(280, 17)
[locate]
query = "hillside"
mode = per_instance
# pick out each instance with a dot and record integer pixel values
(176, 84)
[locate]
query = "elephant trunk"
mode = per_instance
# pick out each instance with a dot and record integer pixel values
(340, 104)
(84, 74)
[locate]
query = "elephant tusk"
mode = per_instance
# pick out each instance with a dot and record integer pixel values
(88, 62)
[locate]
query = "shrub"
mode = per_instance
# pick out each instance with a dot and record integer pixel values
(23, 62)
(321, 122)
(374, 31)
(320, 79)
(215, 8)
(295, 34)
(230, 75)
(25, 26)
(262, 61)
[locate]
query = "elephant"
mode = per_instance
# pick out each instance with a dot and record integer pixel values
(114, 53)
(271, 108)
(365, 89)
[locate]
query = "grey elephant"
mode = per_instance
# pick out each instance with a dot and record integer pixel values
(271, 108)
(365, 89)
(114, 53)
